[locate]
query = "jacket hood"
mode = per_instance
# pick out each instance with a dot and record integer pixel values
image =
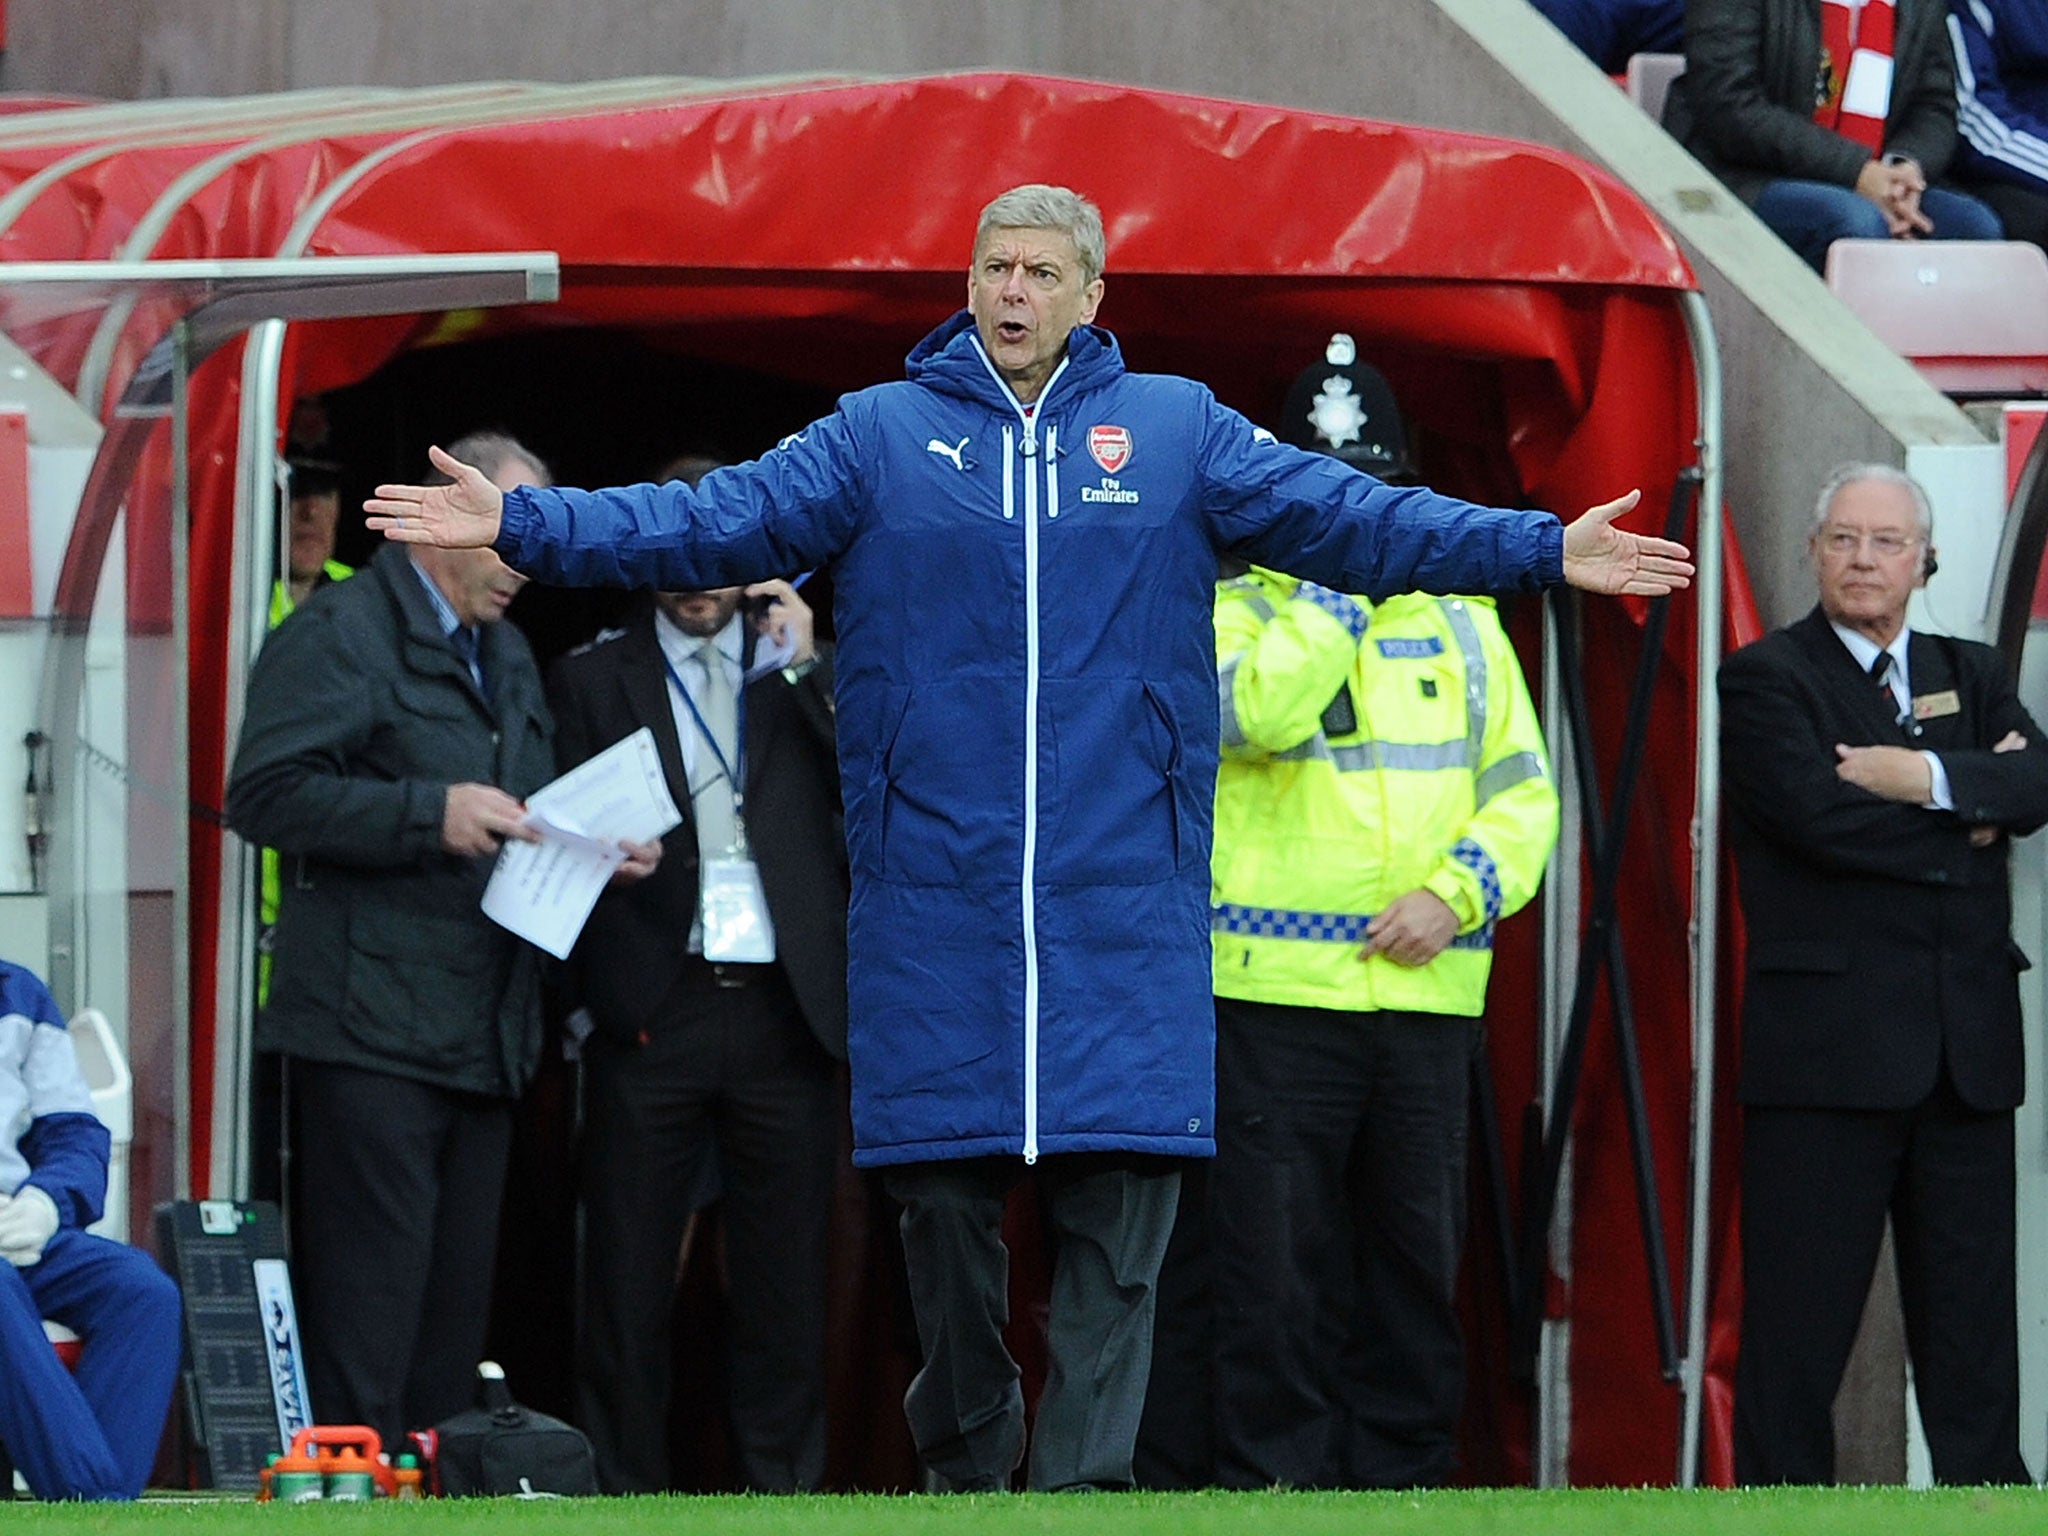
(951, 361)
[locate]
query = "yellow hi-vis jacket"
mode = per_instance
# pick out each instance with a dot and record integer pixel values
(1368, 751)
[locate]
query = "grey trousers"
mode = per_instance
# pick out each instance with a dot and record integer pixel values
(1111, 1214)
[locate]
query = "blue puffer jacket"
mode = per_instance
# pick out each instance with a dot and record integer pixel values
(1027, 710)
(49, 1134)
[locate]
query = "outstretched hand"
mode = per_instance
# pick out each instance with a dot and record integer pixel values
(1600, 557)
(463, 515)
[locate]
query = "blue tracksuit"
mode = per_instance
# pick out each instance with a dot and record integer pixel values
(1027, 710)
(92, 1435)
(2001, 49)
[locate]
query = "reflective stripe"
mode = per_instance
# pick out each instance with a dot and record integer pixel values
(1403, 756)
(1315, 927)
(1467, 635)
(1480, 862)
(1315, 749)
(1336, 605)
(1246, 589)
(1226, 702)
(1506, 774)
(1364, 756)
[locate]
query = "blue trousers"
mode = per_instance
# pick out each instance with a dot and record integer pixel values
(92, 1434)
(1810, 216)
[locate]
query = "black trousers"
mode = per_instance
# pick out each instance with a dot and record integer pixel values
(1334, 1229)
(395, 1229)
(1111, 1214)
(2024, 213)
(1816, 1187)
(730, 1091)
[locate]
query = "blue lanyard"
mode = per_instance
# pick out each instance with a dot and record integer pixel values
(735, 775)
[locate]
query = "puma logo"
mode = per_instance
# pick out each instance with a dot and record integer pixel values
(953, 453)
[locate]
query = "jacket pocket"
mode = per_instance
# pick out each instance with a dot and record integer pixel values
(422, 990)
(1109, 808)
(1818, 956)
(950, 808)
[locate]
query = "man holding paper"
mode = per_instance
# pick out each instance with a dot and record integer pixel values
(718, 990)
(393, 729)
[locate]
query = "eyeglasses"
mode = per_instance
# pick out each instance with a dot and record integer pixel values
(1845, 543)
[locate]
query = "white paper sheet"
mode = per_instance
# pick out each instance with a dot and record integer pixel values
(544, 891)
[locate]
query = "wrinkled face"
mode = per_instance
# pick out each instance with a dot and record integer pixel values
(702, 614)
(1027, 293)
(312, 532)
(478, 585)
(1867, 555)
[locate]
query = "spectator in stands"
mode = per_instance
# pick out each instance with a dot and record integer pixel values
(1853, 147)
(2001, 56)
(1609, 31)
(1876, 778)
(1025, 539)
(709, 1050)
(92, 1434)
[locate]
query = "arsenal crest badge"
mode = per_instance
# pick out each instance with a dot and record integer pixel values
(1110, 447)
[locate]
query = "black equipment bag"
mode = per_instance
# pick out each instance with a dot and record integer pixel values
(499, 1447)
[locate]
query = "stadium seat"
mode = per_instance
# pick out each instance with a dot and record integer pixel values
(1649, 78)
(1971, 315)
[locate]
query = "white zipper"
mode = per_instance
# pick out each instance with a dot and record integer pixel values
(1030, 420)
(1030, 798)
(1009, 463)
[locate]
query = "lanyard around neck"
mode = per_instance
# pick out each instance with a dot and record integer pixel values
(735, 773)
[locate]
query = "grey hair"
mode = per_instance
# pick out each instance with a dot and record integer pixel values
(1845, 475)
(1038, 206)
(491, 452)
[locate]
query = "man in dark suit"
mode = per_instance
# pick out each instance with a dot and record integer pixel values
(1875, 776)
(711, 1043)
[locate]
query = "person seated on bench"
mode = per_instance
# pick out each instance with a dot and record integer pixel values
(92, 1434)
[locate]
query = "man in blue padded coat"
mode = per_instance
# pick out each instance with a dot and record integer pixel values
(1024, 541)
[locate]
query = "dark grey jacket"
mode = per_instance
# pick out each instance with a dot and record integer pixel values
(360, 716)
(1744, 106)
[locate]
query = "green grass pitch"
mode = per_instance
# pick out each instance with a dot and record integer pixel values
(1491, 1512)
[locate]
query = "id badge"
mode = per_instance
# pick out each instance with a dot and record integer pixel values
(735, 912)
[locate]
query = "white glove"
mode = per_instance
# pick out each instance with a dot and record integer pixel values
(28, 1220)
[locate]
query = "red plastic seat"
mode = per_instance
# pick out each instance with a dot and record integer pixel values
(1971, 315)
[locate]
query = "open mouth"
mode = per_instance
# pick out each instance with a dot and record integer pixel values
(1012, 331)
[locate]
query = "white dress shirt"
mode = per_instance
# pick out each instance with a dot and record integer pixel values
(1865, 650)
